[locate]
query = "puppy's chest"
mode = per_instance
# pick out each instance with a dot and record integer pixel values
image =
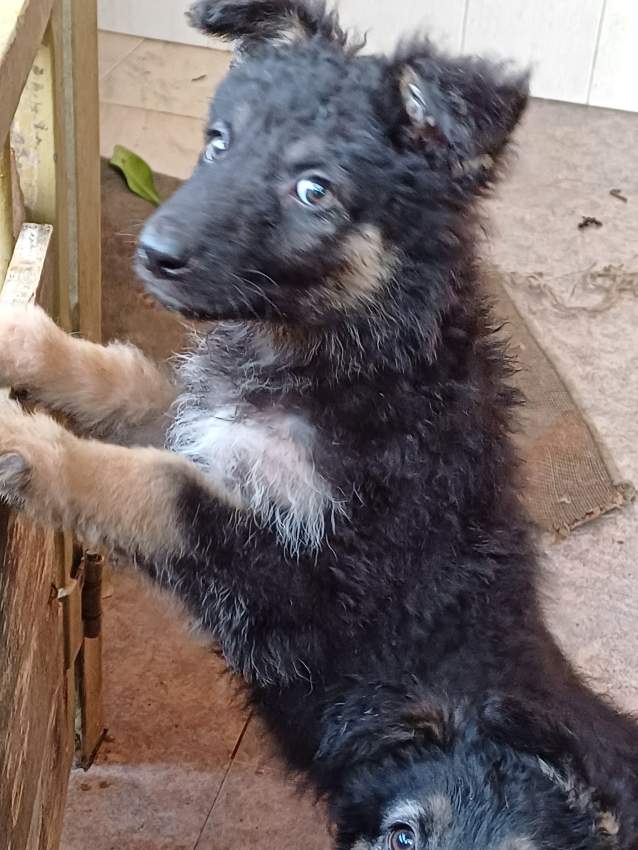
(259, 457)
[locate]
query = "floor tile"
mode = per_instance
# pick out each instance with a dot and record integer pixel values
(113, 47)
(165, 77)
(174, 720)
(169, 143)
(262, 810)
(257, 749)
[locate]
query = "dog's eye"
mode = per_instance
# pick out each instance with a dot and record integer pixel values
(402, 838)
(218, 144)
(313, 192)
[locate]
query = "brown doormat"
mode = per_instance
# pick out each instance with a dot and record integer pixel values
(568, 482)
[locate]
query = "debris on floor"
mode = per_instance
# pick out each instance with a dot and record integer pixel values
(589, 221)
(617, 193)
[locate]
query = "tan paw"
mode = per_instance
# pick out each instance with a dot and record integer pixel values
(28, 342)
(31, 448)
(15, 474)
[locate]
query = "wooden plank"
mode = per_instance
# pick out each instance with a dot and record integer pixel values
(22, 26)
(74, 45)
(30, 266)
(37, 694)
(6, 210)
(65, 284)
(87, 166)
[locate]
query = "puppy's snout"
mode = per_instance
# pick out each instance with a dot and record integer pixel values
(162, 250)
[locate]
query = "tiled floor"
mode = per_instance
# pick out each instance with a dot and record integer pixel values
(182, 771)
(154, 97)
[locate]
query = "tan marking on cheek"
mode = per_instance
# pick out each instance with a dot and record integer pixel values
(367, 268)
(607, 822)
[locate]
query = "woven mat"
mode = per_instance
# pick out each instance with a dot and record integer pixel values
(568, 481)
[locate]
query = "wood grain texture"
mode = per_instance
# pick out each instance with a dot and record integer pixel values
(37, 688)
(22, 25)
(36, 732)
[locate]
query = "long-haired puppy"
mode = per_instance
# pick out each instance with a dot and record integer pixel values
(332, 493)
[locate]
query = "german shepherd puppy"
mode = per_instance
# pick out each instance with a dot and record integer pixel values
(334, 497)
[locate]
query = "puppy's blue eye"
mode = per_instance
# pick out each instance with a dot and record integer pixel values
(218, 144)
(312, 192)
(402, 838)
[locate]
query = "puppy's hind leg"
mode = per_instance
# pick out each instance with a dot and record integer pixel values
(107, 391)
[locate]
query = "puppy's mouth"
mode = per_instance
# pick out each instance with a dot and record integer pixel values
(164, 290)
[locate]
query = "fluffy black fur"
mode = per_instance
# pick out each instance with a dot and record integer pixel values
(402, 664)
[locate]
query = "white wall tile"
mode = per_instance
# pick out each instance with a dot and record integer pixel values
(615, 79)
(162, 19)
(387, 23)
(556, 37)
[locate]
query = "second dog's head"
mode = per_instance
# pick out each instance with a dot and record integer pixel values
(324, 171)
(430, 778)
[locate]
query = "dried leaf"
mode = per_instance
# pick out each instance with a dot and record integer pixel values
(137, 174)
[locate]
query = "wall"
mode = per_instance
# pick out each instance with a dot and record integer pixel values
(583, 51)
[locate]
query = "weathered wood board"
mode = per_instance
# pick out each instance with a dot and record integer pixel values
(37, 688)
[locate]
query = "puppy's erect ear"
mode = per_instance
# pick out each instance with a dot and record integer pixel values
(459, 112)
(253, 21)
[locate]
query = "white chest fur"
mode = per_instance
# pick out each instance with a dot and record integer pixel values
(263, 464)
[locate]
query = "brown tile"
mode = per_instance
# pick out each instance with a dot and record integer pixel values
(257, 749)
(175, 78)
(168, 698)
(173, 720)
(138, 807)
(170, 144)
(262, 810)
(113, 47)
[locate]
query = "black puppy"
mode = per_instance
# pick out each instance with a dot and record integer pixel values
(339, 508)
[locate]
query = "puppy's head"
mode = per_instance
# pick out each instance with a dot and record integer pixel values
(323, 170)
(434, 780)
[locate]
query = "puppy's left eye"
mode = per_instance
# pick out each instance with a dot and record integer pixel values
(313, 192)
(219, 142)
(402, 838)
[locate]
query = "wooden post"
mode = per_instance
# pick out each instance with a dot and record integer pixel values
(74, 44)
(6, 210)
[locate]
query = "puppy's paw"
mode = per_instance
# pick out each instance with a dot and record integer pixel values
(31, 450)
(15, 474)
(28, 343)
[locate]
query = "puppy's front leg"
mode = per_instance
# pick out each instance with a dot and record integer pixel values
(108, 391)
(112, 497)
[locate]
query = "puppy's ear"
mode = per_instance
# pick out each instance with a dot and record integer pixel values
(528, 729)
(254, 21)
(459, 113)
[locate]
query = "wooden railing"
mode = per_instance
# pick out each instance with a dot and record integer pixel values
(49, 129)
(49, 253)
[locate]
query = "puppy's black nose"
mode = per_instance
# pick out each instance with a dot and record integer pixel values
(162, 251)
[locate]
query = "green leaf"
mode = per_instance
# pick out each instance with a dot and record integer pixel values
(137, 173)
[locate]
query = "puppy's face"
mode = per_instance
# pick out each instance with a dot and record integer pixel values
(476, 798)
(321, 169)
(413, 774)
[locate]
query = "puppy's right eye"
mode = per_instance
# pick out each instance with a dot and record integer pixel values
(402, 838)
(218, 144)
(313, 192)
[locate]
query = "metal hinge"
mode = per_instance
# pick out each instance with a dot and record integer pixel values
(81, 599)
